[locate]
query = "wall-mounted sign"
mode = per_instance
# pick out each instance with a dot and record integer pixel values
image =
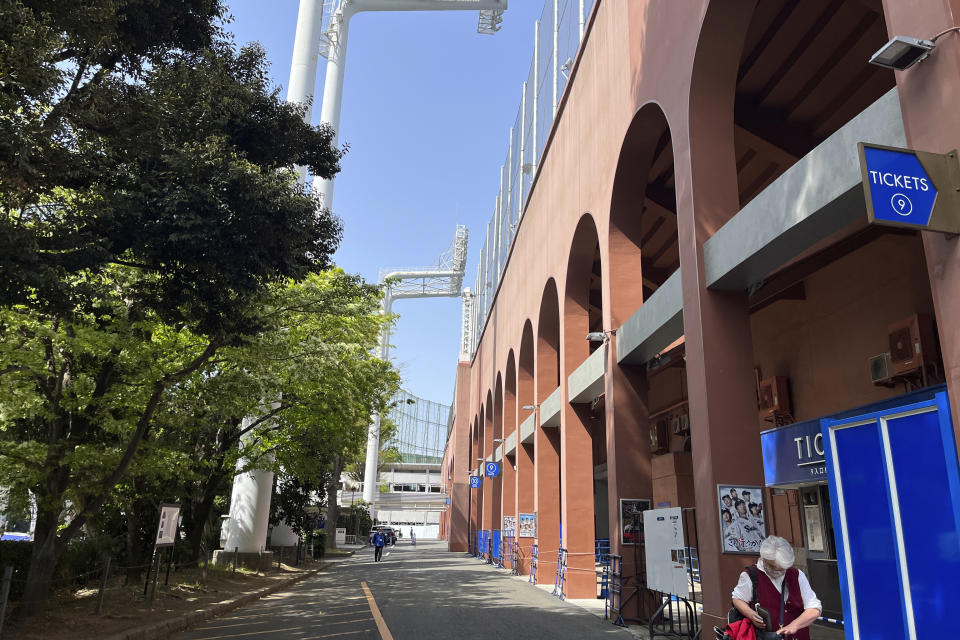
(913, 189)
(476, 482)
(793, 454)
(742, 523)
(492, 469)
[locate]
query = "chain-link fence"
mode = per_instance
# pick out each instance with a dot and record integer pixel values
(559, 33)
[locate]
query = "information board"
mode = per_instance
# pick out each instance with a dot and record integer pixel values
(666, 572)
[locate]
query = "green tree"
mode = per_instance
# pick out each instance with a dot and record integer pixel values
(147, 202)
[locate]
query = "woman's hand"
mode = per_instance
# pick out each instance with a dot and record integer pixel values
(788, 630)
(757, 620)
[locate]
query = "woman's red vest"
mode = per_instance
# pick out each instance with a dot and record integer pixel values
(770, 600)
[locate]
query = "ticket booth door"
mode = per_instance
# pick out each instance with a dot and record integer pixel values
(895, 491)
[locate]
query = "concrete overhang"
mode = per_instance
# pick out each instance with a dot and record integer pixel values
(550, 410)
(654, 326)
(498, 454)
(813, 199)
(528, 427)
(587, 381)
(510, 445)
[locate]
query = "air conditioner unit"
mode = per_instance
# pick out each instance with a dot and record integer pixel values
(659, 437)
(881, 369)
(773, 395)
(912, 344)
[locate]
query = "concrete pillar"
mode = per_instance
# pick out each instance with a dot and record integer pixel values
(576, 461)
(458, 523)
(525, 499)
(249, 507)
(486, 520)
(930, 103)
(628, 446)
(547, 500)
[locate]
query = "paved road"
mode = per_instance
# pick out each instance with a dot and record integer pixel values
(422, 593)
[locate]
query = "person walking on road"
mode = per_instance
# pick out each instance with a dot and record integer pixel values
(413, 537)
(378, 546)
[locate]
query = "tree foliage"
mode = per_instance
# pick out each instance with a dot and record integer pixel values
(162, 272)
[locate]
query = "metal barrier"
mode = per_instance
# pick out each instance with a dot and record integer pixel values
(611, 607)
(534, 556)
(500, 554)
(602, 547)
(496, 551)
(560, 581)
(514, 556)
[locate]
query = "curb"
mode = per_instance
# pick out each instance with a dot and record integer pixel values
(164, 628)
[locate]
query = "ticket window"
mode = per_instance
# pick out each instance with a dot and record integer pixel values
(818, 531)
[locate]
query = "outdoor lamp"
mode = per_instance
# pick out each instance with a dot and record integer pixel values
(596, 336)
(902, 52)
(529, 407)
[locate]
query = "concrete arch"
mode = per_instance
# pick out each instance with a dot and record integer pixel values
(548, 342)
(526, 368)
(525, 454)
(583, 301)
(643, 241)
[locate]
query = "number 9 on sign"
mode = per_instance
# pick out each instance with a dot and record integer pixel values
(493, 469)
(901, 204)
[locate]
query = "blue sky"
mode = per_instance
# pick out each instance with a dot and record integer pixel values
(427, 109)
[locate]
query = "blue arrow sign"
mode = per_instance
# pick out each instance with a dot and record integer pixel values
(492, 470)
(899, 189)
(475, 482)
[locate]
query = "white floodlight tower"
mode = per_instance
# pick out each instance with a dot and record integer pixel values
(322, 27)
(442, 280)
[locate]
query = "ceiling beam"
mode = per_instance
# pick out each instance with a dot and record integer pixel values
(764, 147)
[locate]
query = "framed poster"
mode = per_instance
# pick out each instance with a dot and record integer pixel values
(509, 526)
(631, 519)
(742, 522)
(528, 525)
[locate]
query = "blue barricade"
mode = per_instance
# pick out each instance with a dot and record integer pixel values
(496, 544)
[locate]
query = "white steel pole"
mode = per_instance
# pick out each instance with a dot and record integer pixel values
(303, 69)
(333, 91)
(373, 433)
(556, 55)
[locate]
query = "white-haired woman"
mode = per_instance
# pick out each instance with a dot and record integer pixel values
(777, 580)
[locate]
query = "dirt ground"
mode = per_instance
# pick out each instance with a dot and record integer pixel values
(71, 613)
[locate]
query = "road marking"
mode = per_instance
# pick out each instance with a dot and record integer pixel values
(253, 633)
(375, 610)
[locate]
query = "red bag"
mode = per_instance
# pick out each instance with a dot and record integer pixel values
(740, 630)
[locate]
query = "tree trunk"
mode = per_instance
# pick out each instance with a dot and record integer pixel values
(134, 550)
(201, 512)
(333, 509)
(43, 563)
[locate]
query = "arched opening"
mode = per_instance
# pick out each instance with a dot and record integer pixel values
(509, 462)
(802, 75)
(643, 243)
(548, 342)
(549, 478)
(487, 454)
(496, 483)
(583, 439)
(525, 443)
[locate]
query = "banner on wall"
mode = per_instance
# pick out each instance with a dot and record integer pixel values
(528, 525)
(742, 523)
(631, 519)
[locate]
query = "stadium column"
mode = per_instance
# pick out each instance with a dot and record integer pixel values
(628, 447)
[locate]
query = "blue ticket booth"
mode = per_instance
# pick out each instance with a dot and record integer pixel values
(895, 499)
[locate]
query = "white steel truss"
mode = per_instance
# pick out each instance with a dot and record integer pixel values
(322, 28)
